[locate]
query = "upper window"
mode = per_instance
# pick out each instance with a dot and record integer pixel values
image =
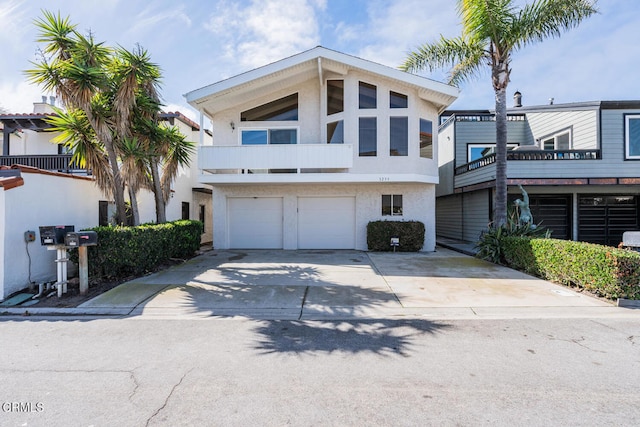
(397, 100)
(632, 136)
(335, 132)
(557, 141)
(283, 109)
(391, 204)
(335, 96)
(367, 94)
(426, 139)
(478, 151)
(368, 137)
(269, 136)
(399, 136)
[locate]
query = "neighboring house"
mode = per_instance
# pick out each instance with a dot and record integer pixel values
(38, 187)
(309, 149)
(579, 163)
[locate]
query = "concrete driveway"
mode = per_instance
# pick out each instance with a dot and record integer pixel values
(323, 284)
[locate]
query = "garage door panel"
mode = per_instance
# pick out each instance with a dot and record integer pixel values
(326, 222)
(255, 222)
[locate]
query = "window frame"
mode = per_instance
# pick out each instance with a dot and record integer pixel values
(374, 152)
(251, 111)
(627, 153)
(393, 94)
(362, 97)
(403, 150)
(420, 139)
(268, 131)
(339, 125)
(329, 92)
(554, 136)
(395, 209)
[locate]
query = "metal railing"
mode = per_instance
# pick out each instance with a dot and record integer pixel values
(50, 162)
(531, 155)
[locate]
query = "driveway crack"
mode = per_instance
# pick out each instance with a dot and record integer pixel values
(304, 300)
(166, 400)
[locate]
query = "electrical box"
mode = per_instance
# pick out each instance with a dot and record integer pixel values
(29, 236)
(51, 235)
(81, 238)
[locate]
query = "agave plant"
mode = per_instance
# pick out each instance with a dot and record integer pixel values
(490, 246)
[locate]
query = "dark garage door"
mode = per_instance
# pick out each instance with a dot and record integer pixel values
(554, 211)
(603, 219)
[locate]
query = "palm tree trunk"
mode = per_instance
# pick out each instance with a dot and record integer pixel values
(118, 187)
(134, 206)
(161, 214)
(500, 213)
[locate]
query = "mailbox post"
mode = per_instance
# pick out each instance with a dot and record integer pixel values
(53, 236)
(82, 240)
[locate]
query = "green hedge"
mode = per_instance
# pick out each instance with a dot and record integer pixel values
(603, 270)
(127, 251)
(411, 234)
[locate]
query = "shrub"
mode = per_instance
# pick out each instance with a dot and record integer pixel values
(606, 271)
(411, 234)
(490, 246)
(126, 251)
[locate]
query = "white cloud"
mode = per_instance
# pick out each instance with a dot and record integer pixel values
(18, 97)
(14, 25)
(265, 31)
(396, 27)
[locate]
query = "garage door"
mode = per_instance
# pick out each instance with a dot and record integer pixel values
(326, 222)
(255, 223)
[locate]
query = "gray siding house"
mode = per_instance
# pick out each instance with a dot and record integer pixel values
(579, 162)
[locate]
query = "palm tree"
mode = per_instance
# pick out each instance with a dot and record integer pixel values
(75, 68)
(113, 106)
(492, 30)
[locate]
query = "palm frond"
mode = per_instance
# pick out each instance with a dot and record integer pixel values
(550, 18)
(446, 53)
(76, 133)
(57, 33)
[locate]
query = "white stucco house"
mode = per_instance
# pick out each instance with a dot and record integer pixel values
(309, 149)
(38, 187)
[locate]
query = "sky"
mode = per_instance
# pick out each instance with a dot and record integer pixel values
(197, 43)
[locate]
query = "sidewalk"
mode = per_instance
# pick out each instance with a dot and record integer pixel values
(326, 284)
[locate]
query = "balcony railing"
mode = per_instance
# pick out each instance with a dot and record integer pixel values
(296, 156)
(531, 155)
(50, 162)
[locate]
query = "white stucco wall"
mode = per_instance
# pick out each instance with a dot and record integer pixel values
(312, 122)
(418, 205)
(42, 200)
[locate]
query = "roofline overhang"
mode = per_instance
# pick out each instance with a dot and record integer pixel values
(314, 61)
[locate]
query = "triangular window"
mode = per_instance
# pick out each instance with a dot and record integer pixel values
(283, 109)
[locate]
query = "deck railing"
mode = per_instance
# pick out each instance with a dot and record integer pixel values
(531, 155)
(50, 162)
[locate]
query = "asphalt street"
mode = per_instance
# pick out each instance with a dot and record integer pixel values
(241, 372)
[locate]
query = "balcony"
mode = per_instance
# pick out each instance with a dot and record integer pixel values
(535, 155)
(294, 156)
(52, 162)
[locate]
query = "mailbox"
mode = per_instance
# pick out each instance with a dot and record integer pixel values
(81, 238)
(51, 235)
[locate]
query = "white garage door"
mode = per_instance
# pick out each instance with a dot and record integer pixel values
(326, 222)
(255, 223)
